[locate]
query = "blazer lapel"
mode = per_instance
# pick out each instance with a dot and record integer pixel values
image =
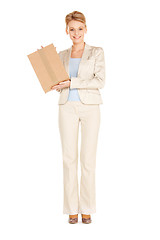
(68, 55)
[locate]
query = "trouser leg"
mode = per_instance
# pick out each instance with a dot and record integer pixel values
(90, 122)
(68, 127)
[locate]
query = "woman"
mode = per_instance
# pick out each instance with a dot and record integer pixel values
(79, 103)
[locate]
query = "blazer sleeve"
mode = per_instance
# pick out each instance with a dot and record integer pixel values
(98, 80)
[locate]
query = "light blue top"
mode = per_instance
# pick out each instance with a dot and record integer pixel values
(73, 72)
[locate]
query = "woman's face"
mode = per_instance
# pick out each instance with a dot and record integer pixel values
(76, 31)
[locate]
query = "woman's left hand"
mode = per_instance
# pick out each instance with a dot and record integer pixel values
(61, 85)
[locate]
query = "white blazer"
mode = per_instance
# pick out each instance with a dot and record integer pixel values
(91, 75)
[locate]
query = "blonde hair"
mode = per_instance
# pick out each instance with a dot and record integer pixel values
(75, 15)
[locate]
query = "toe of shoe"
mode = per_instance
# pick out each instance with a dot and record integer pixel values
(73, 220)
(86, 220)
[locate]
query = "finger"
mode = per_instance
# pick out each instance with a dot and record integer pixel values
(62, 82)
(55, 87)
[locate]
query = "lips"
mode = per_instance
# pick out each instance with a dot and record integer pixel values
(77, 37)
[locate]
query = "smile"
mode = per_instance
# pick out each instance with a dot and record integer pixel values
(77, 37)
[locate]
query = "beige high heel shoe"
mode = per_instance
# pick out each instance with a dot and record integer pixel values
(86, 218)
(73, 218)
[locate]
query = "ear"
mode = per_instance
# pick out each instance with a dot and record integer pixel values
(66, 31)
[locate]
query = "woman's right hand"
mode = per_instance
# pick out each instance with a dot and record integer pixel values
(56, 87)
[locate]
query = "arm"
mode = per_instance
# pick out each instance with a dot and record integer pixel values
(98, 80)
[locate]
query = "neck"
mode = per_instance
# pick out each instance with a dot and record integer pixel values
(78, 46)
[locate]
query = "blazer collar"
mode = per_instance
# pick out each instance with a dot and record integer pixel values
(83, 58)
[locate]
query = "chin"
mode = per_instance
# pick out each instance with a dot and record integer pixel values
(78, 40)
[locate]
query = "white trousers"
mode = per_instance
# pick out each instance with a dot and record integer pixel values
(70, 115)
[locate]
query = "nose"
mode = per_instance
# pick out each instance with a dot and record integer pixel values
(76, 32)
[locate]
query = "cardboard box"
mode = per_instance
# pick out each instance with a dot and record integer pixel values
(48, 67)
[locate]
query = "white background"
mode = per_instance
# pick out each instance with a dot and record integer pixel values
(128, 154)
